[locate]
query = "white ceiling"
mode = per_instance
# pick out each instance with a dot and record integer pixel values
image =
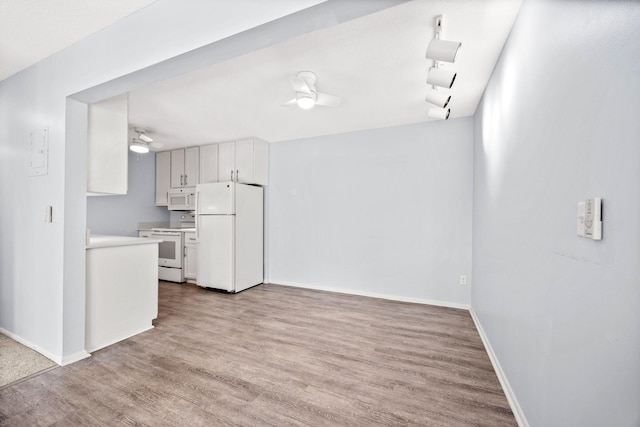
(31, 30)
(375, 63)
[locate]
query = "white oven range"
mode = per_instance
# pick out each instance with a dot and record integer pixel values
(170, 252)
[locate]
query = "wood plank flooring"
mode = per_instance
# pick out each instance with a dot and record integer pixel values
(275, 356)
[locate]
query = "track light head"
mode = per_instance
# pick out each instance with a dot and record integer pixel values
(438, 98)
(439, 113)
(441, 77)
(442, 50)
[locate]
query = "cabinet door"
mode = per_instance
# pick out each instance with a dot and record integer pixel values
(190, 256)
(191, 166)
(252, 157)
(107, 151)
(244, 161)
(226, 161)
(208, 163)
(163, 178)
(177, 168)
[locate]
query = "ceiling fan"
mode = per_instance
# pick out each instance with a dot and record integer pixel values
(306, 95)
(143, 143)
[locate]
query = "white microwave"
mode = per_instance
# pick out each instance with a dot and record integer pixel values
(182, 199)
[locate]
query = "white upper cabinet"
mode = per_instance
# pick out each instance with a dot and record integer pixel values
(163, 177)
(107, 146)
(244, 161)
(226, 161)
(185, 164)
(208, 163)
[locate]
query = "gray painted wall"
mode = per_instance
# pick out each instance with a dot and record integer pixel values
(559, 122)
(119, 215)
(384, 211)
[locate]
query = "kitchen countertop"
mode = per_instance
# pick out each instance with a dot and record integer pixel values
(185, 230)
(102, 241)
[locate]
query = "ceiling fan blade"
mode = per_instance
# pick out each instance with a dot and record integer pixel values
(299, 85)
(145, 138)
(327, 100)
(290, 103)
(155, 144)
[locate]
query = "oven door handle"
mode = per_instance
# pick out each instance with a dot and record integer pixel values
(160, 233)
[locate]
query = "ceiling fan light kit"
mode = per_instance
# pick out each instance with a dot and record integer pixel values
(445, 51)
(138, 147)
(305, 101)
(142, 143)
(306, 94)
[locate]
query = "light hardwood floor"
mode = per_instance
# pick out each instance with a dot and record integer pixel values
(275, 356)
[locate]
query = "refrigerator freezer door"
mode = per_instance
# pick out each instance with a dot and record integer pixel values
(216, 198)
(216, 248)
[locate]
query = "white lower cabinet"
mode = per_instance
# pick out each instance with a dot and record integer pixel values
(190, 257)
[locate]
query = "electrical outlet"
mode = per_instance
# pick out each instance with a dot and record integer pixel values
(463, 280)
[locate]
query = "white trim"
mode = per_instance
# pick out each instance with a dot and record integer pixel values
(32, 346)
(117, 340)
(61, 361)
(73, 358)
(504, 382)
(375, 295)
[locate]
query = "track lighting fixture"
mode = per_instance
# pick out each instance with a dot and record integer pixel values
(438, 98)
(439, 113)
(440, 50)
(441, 77)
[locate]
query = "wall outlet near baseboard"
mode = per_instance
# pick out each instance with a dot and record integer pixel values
(463, 280)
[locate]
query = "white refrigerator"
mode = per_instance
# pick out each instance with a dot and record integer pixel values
(229, 233)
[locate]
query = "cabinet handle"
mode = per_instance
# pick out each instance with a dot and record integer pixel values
(237, 175)
(181, 180)
(185, 180)
(231, 175)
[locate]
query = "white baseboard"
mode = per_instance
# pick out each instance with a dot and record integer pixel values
(375, 295)
(45, 353)
(506, 387)
(62, 361)
(73, 358)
